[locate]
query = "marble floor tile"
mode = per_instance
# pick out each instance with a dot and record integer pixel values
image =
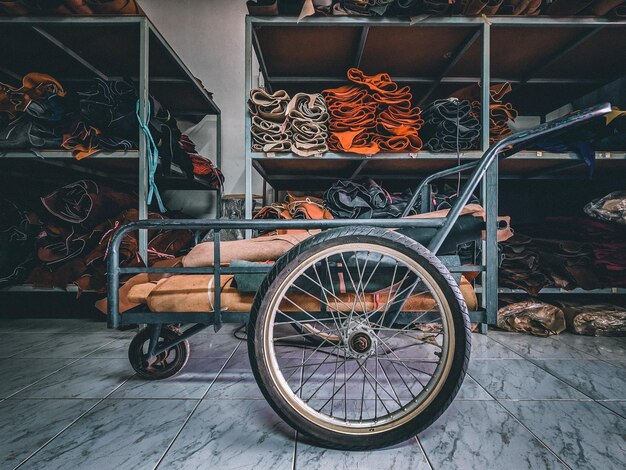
(597, 379)
(117, 434)
(26, 425)
(519, 379)
(471, 390)
(85, 378)
(598, 347)
(408, 455)
(485, 347)
(584, 434)
(618, 407)
(536, 347)
(225, 435)
(481, 434)
(191, 382)
(39, 325)
(15, 344)
(227, 329)
(236, 380)
(70, 346)
(116, 349)
(18, 373)
(212, 345)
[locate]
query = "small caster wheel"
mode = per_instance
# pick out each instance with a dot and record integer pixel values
(162, 366)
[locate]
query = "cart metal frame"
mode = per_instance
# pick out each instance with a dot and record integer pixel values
(201, 320)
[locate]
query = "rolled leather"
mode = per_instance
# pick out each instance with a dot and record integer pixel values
(196, 293)
(266, 248)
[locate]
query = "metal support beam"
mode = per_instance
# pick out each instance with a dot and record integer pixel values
(144, 97)
(218, 162)
(358, 169)
(261, 60)
(556, 57)
(10, 73)
(247, 120)
(361, 46)
(426, 80)
(550, 171)
(489, 189)
(456, 57)
(50, 38)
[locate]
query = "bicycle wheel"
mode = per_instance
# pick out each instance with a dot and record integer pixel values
(380, 379)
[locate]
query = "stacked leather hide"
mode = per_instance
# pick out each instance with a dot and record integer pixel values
(373, 115)
(282, 124)
(500, 113)
(450, 126)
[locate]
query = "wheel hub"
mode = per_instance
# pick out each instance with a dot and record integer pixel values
(360, 342)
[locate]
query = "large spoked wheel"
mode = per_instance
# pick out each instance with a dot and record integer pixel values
(373, 375)
(163, 365)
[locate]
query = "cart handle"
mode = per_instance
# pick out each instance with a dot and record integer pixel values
(512, 144)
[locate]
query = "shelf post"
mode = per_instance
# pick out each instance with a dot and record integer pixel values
(144, 70)
(247, 140)
(489, 190)
(218, 159)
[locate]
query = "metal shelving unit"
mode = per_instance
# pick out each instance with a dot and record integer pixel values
(558, 60)
(74, 50)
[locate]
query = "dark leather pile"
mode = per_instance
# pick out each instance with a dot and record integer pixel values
(500, 112)
(281, 123)
(42, 114)
(520, 265)
(565, 252)
(69, 7)
(305, 8)
(18, 230)
(450, 126)
(373, 115)
(367, 200)
(67, 241)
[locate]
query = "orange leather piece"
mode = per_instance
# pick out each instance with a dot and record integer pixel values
(373, 115)
(358, 141)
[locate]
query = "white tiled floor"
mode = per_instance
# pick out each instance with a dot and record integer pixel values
(69, 399)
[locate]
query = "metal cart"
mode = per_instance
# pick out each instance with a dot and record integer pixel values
(358, 337)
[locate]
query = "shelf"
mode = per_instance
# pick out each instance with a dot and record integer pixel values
(75, 49)
(284, 169)
(53, 165)
(559, 291)
(549, 62)
(72, 288)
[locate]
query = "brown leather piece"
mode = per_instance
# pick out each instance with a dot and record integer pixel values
(125, 301)
(195, 293)
(35, 86)
(259, 249)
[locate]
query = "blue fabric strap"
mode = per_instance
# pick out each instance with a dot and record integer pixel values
(152, 155)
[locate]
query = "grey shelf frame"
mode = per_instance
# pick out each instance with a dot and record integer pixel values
(146, 31)
(482, 29)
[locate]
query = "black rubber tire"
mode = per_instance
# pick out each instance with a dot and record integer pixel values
(137, 357)
(460, 322)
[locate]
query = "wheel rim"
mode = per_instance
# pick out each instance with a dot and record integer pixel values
(366, 375)
(161, 362)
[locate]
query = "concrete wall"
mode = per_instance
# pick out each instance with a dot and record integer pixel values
(208, 35)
